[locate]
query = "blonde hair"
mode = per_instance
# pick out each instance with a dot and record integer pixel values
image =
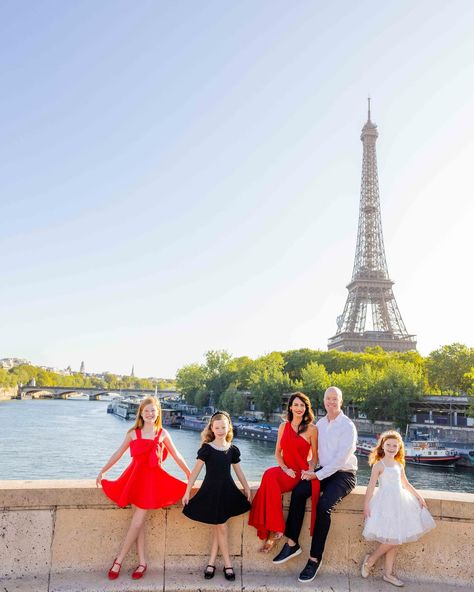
(139, 423)
(207, 435)
(378, 452)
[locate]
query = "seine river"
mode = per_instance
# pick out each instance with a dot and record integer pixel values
(67, 439)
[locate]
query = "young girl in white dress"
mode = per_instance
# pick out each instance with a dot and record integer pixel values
(396, 513)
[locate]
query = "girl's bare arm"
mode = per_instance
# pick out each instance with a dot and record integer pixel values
(117, 455)
(192, 478)
(377, 470)
(241, 477)
(407, 485)
(177, 456)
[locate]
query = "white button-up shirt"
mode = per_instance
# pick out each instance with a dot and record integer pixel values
(336, 445)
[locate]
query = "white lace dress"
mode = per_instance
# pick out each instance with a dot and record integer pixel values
(395, 514)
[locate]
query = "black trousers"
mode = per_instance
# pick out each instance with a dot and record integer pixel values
(333, 489)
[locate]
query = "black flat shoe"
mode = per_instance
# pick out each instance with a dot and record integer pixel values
(229, 573)
(209, 572)
(287, 553)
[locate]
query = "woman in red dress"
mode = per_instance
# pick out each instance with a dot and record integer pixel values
(296, 451)
(144, 484)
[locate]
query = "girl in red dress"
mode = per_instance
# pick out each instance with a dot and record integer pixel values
(296, 451)
(144, 484)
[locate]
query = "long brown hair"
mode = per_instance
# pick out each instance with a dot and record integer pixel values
(207, 435)
(308, 416)
(378, 452)
(139, 423)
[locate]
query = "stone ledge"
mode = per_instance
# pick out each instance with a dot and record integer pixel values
(186, 581)
(52, 530)
(79, 493)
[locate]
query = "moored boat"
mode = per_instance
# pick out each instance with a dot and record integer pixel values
(419, 452)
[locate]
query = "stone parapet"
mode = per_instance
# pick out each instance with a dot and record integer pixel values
(56, 534)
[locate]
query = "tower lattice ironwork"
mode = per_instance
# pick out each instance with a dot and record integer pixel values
(370, 284)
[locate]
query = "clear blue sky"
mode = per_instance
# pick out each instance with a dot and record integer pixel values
(184, 176)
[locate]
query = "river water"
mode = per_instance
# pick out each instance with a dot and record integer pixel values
(68, 439)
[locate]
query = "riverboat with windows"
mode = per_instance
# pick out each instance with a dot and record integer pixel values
(419, 452)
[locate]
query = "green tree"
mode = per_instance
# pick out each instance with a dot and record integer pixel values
(389, 395)
(268, 382)
(239, 370)
(355, 385)
(315, 380)
(233, 401)
(191, 380)
(218, 376)
(447, 368)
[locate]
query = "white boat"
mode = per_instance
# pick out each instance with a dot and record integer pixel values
(419, 452)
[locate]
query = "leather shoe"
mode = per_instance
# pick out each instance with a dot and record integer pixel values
(209, 571)
(113, 575)
(139, 572)
(287, 553)
(309, 572)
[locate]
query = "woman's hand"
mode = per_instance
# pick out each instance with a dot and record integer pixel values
(308, 475)
(185, 499)
(98, 480)
(366, 512)
(248, 493)
(289, 472)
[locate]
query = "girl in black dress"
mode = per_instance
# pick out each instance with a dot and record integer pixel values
(218, 498)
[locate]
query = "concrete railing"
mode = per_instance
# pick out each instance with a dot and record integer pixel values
(52, 530)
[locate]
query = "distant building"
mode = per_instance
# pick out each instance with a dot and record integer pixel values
(82, 369)
(9, 363)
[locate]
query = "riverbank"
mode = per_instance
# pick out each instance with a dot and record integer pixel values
(7, 393)
(61, 536)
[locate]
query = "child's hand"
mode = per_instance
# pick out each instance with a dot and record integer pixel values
(421, 501)
(248, 493)
(98, 480)
(185, 499)
(366, 512)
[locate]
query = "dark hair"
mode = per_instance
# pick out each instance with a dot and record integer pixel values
(308, 416)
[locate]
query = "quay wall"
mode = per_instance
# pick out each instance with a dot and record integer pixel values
(7, 393)
(55, 529)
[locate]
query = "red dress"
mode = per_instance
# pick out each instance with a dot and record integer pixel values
(267, 512)
(144, 483)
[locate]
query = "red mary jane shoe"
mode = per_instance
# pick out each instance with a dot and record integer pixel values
(113, 575)
(139, 572)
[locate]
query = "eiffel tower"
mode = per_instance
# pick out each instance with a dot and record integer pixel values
(370, 283)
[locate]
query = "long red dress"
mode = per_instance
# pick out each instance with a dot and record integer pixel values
(144, 482)
(267, 512)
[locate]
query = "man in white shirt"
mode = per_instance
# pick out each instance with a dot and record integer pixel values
(337, 437)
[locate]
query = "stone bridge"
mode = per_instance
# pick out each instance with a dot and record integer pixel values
(64, 392)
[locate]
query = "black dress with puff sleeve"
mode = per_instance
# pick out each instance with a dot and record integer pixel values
(218, 498)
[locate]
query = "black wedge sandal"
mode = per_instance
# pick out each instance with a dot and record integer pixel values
(229, 573)
(209, 572)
